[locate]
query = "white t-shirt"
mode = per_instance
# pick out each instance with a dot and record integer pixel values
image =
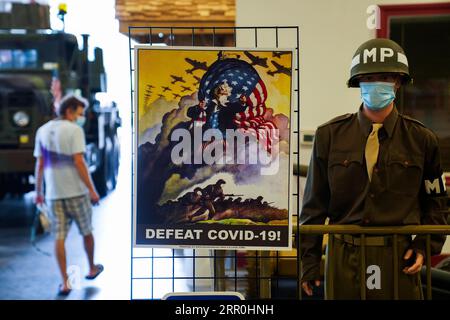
(57, 141)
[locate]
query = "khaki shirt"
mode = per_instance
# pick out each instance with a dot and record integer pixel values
(407, 186)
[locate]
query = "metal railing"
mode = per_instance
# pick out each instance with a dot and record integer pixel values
(332, 230)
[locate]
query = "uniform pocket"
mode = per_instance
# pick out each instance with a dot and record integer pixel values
(346, 173)
(404, 174)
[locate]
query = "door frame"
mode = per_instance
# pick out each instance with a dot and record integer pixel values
(408, 10)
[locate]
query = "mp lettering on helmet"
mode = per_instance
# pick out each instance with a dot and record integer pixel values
(370, 54)
(378, 55)
(386, 53)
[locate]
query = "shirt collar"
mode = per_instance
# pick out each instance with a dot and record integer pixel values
(388, 124)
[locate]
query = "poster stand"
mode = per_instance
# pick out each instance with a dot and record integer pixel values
(257, 274)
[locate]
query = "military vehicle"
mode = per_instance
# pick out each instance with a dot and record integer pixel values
(34, 59)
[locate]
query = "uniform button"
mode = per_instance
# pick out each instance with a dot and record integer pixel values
(366, 221)
(406, 163)
(372, 195)
(375, 170)
(345, 162)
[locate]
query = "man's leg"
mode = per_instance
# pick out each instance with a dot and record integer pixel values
(60, 251)
(89, 248)
(342, 276)
(82, 212)
(60, 225)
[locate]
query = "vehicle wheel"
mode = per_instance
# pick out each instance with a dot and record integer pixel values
(115, 159)
(99, 178)
(109, 156)
(105, 176)
(3, 183)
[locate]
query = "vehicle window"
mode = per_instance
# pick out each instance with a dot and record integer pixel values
(18, 59)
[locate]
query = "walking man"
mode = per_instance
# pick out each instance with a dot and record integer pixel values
(69, 191)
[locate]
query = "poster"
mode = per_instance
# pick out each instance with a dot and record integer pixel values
(212, 161)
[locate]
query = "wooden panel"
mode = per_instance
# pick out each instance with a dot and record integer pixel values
(131, 12)
(123, 27)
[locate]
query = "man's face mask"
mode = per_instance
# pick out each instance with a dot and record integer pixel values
(377, 95)
(81, 120)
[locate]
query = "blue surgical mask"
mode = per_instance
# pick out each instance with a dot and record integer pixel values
(377, 95)
(81, 120)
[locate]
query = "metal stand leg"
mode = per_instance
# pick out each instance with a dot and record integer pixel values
(219, 270)
(265, 273)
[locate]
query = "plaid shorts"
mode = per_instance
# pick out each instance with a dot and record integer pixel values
(64, 211)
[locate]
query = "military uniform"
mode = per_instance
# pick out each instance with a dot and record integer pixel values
(406, 189)
(373, 174)
(211, 193)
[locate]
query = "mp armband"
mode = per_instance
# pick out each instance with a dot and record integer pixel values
(435, 187)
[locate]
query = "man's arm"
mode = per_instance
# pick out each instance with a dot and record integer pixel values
(315, 205)
(39, 170)
(433, 198)
(38, 183)
(85, 176)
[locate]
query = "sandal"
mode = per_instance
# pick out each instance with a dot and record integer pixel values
(99, 270)
(63, 293)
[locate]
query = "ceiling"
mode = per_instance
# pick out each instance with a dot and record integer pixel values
(176, 13)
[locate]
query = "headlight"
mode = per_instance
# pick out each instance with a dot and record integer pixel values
(21, 119)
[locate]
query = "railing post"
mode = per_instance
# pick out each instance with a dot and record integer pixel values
(219, 270)
(329, 286)
(300, 267)
(428, 262)
(362, 252)
(395, 257)
(265, 267)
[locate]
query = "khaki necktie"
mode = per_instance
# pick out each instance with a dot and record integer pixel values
(372, 148)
